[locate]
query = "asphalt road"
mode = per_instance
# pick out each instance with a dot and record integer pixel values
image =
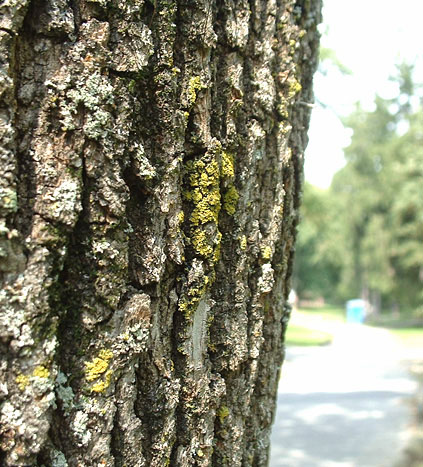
(344, 405)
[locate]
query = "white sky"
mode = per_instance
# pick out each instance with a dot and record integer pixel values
(369, 37)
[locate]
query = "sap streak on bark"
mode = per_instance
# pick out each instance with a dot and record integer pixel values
(151, 165)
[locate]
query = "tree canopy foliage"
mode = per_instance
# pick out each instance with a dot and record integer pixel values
(363, 236)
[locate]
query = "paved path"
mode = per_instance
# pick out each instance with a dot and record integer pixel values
(343, 405)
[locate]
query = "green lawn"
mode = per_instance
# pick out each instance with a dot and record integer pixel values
(408, 331)
(298, 335)
(328, 313)
(409, 337)
(313, 326)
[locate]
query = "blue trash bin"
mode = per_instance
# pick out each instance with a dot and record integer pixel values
(356, 311)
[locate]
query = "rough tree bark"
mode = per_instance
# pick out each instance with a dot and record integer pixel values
(151, 166)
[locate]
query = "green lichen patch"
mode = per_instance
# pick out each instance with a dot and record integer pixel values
(64, 392)
(95, 93)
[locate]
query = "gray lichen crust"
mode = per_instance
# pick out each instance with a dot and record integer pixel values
(150, 178)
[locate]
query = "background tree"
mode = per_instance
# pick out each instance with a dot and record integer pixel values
(151, 165)
(368, 225)
(320, 245)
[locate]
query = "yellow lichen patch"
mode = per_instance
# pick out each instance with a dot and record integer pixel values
(207, 206)
(201, 244)
(266, 252)
(230, 200)
(204, 179)
(294, 88)
(195, 85)
(95, 369)
(190, 302)
(243, 242)
(227, 165)
(181, 217)
(222, 413)
(22, 381)
(41, 371)
(183, 306)
(98, 367)
(106, 354)
(102, 385)
(216, 255)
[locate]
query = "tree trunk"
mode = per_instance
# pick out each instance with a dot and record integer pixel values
(151, 167)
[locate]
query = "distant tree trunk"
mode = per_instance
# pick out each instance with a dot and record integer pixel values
(151, 167)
